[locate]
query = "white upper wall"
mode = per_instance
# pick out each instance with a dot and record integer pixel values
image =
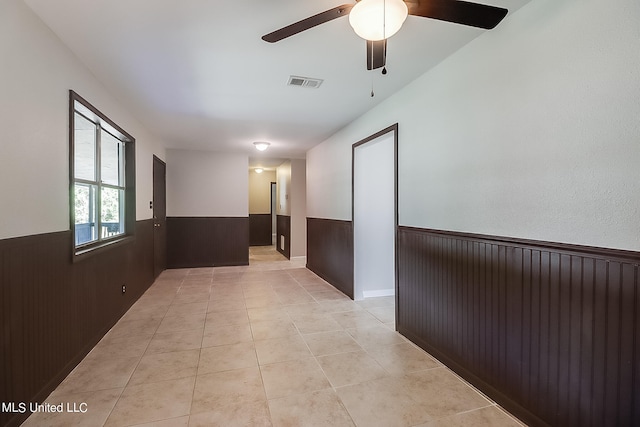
(36, 74)
(529, 131)
(207, 184)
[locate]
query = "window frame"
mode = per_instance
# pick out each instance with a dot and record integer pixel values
(79, 105)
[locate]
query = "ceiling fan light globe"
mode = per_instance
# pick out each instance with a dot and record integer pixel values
(377, 19)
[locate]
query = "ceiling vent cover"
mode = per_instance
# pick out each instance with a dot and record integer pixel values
(304, 82)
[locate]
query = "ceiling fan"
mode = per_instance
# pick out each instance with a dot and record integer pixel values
(377, 20)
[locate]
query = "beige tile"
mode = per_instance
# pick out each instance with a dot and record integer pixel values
(227, 357)
(97, 406)
(350, 368)
(225, 335)
(128, 346)
(403, 358)
(226, 291)
(356, 319)
(181, 322)
(339, 306)
(225, 318)
(318, 409)
(293, 377)
(316, 286)
(376, 336)
(188, 299)
(369, 303)
(312, 323)
(240, 414)
(272, 329)
(188, 308)
(266, 300)
(490, 416)
(267, 313)
(306, 308)
(98, 373)
(382, 402)
(442, 393)
(175, 341)
(325, 343)
(281, 349)
(384, 314)
(294, 297)
(140, 327)
(144, 403)
(226, 304)
(220, 389)
(331, 295)
(171, 422)
(166, 366)
(146, 311)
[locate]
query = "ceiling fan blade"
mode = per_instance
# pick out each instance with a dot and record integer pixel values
(459, 12)
(376, 54)
(305, 24)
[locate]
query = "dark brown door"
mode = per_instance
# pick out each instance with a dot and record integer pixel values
(159, 216)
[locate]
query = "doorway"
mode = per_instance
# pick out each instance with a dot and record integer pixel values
(375, 218)
(159, 205)
(273, 213)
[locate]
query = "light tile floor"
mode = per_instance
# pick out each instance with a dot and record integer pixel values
(269, 344)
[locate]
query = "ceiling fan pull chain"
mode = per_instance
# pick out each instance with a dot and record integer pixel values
(372, 94)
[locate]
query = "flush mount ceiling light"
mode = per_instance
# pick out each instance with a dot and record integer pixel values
(378, 19)
(259, 170)
(261, 146)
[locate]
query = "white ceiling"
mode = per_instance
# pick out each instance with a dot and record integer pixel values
(197, 73)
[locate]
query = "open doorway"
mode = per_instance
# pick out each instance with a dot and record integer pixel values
(262, 215)
(375, 217)
(274, 216)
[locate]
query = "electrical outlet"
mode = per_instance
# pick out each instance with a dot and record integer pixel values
(124, 288)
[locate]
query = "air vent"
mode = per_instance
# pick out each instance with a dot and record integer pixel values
(304, 82)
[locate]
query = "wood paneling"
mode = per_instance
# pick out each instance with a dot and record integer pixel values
(53, 311)
(207, 241)
(550, 331)
(283, 228)
(330, 252)
(260, 229)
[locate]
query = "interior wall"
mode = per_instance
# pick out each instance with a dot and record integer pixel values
(283, 188)
(207, 184)
(260, 191)
(53, 311)
(298, 208)
(37, 73)
(529, 131)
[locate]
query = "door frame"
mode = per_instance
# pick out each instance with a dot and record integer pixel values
(157, 269)
(391, 129)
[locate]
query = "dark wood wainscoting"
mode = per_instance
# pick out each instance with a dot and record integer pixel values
(330, 252)
(260, 229)
(207, 241)
(283, 228)
(53, 311)
(550, 331)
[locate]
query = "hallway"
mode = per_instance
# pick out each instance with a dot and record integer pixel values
(260, 345)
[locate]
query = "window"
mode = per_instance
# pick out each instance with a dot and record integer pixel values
(102, 174)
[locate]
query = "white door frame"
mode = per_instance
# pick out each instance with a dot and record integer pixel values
(394, 130)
